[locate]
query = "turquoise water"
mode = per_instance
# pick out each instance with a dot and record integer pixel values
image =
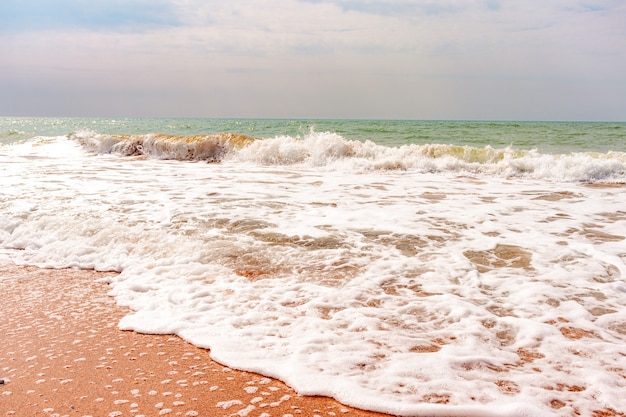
(546, 137)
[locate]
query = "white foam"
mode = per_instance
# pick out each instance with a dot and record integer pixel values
(387, 289)
(330, 150)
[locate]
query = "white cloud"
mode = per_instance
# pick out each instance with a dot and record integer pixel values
(342, 58)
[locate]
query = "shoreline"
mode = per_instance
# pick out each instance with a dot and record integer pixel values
(63, 355)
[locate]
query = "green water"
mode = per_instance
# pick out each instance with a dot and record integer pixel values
(546, 137)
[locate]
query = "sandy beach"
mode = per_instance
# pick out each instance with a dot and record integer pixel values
(63, 355)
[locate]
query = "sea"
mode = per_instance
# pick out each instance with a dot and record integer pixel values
(457, 268)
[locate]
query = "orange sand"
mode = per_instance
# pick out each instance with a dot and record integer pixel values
(62, 354)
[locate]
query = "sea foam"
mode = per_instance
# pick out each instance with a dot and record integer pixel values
(331, 151)
(413, 280)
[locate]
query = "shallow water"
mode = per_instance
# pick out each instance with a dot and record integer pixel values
(435, 279)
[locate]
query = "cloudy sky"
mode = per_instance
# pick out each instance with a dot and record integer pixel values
(402, 59)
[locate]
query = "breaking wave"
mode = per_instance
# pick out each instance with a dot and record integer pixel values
(326, 150)
(211, 148)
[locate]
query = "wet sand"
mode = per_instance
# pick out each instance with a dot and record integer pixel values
(63, 355)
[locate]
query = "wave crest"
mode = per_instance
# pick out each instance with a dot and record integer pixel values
(211, 148)
(331, 151)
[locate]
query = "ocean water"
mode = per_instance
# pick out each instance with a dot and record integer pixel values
(412, 268)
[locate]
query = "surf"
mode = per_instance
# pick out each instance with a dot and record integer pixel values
(331, 151)
(210, 148)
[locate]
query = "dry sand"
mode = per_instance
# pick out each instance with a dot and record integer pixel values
(62, 355)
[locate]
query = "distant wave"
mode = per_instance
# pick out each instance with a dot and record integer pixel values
(13, 136)
(327, 150)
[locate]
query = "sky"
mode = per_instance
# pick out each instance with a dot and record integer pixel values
(387, 59)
